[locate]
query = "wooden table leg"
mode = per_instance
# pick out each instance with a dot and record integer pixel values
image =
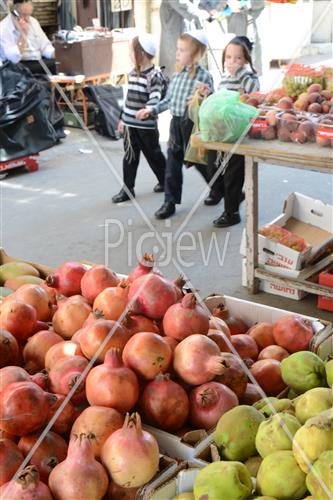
(251, 192)
(84, 106)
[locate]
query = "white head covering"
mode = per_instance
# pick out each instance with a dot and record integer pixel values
(147, 42)
(199, 35)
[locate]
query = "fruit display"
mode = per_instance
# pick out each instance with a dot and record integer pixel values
(283, 236)
(299, 77)
(112, 354)
(315, 100)
(295, 127)
(324, 131)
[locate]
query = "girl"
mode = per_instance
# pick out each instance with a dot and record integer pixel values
(241, 76)
(145, 85)
(191, 47)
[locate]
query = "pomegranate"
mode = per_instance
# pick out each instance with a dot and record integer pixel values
(107, 332)
(233, 375)
(24, 407)
(164, 404)
(216, 323)
(251, 395)
(95, 280)
(10, 374)
(145, 266)
(179, 284)
(10, 459)
(41, 379)
(267, 373)
(130, 454)
(18, 318)
(262, 333)
(70, 317)
(27, 486)
(79, 475)
(51, 450)
(37, 297)
(9, 349)
(209, 402)
(36, 348)
(220, 338)
(64, 349)
(236, 325)
(101, 422)
(116, 492)
(245, 346)
(40, 325)
(197, 360)
(67, 278)
(273, 352)
(65, 418)
(152, 295)
(185, 318)
(147, 354)
(118, 386)
(68, 373)
(293, 333)
(112, 302)
(171, 342)
(136, 323)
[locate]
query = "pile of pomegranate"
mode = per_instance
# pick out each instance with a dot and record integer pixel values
(86, 356)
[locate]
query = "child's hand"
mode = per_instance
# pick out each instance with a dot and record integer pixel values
(203, 89)
(121, 127)
(142, 114)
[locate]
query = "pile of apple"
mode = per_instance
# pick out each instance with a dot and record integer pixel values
(315, 100)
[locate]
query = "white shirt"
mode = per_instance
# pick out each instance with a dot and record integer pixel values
(37, 44)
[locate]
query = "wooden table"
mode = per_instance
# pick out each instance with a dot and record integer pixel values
(75, 85)
(307, 157)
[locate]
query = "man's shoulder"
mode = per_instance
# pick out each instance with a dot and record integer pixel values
(7, 21)
(34, 22)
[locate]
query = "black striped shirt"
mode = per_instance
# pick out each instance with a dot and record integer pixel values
(144, 90)
(244, 79)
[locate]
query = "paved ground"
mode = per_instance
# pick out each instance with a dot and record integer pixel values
(63, 212)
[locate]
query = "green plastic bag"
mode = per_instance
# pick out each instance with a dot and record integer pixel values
(224, 118)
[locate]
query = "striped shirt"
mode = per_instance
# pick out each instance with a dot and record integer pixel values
(244, 79)
(144, 90)
(180, 88)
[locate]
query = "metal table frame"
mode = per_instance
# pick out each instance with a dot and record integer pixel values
(308, 157)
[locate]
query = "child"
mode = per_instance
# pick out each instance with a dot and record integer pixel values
(191, 47)
(241, 76)
(144, 88)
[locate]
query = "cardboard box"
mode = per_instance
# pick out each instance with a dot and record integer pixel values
(309, 218)
(182, 481)
(326, 278)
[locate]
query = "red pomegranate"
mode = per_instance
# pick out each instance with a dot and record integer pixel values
(185, 318)
(107, 332)
(67, 278)
(70, 317)
(118, 386)
(273, 352)
(36, 348)
(66, 415)
(10, 374)
(37, 297)
(95, 280)
(171, 342)
(294, 333)
(68, 373)
(152, 295)
(27, 486)
(21, 400)
(51, 451)
(245, 346)
(233, 375)
(99, 421)
(64, 349)
(164, 404)
(10, 460)
(9, 349)
(220, 338)
(251, 395)
(236, 325)
(145, 266)
(216, 323)
(18, 318)
(267, 373)
(111, 303)
(136, 323)
(179, 284)
(209, 402)
(262, 333)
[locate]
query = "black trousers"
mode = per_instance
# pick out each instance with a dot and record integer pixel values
(229, 184)
(180, 133)
(36, 68)
(139, 140)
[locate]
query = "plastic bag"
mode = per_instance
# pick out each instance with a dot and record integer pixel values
(193, 154)
(224, 118)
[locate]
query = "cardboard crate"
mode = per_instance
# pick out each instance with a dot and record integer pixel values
(309, 218)
(326, 278)
(180, 482)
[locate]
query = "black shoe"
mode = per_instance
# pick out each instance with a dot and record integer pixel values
(167, 209)
(226, 220)
(159, 188)
(213, 199)
(122, 196)
(242, 197)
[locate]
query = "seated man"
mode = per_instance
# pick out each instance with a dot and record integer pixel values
(23, 40)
